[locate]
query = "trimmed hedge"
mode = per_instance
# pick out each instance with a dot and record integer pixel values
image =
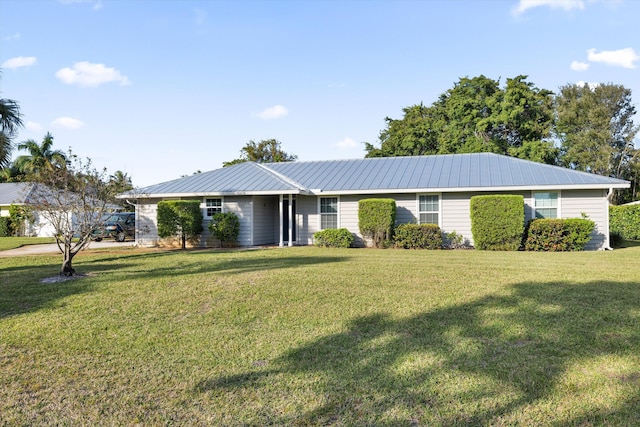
(179, 218)
(625, 221)
(333, 238)
(558, 235)
(5, 226)
(497, 222)
(376, 219)
(418, 236)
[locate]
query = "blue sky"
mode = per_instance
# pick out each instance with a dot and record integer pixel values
(162, 88)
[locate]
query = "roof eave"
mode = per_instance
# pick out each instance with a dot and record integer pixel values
(211, 194)
(471, 189)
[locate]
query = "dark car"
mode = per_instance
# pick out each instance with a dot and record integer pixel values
(118, 225)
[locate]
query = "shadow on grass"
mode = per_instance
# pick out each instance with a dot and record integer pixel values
(478, 363)
(21, 291)
(179, 263)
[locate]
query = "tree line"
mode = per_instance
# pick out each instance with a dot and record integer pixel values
(583, 127)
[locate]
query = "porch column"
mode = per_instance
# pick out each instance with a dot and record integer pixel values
(291, 220)
(281, 220)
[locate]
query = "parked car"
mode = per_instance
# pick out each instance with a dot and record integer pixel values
(118, 225)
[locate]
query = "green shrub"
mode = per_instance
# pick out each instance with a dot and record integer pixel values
(555, 235)
(376, 219)
(5, 226)
(625, 221)
(225, 226)
(179, 218)
(418, 236)
(19, 217)
(333, 238)
(454, 240)
(497, 222)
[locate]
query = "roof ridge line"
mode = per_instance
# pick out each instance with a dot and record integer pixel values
(282, 177)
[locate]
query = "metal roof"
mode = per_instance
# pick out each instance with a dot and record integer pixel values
(15, 192)
(448, 172)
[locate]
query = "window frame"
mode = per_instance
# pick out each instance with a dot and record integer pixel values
(438, 211)
(536, 208)
(325, 214)
(206, 208)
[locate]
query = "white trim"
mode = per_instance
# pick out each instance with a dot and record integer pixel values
(559, 202)
(332, 196)
(439, 206)
(326, 193)
(203, 206)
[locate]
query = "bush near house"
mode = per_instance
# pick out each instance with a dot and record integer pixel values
(558, 235)
(625, 221)
(497, 222)
(179, 218)
(5, 226)
(333, 238)
(418, 236)
(376, 219)
(225, 226)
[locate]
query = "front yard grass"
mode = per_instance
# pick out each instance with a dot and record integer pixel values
(307, 336)
(16, 242)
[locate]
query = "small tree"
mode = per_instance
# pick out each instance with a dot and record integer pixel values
(179, 218)
(225, 226)
(20, 216)
(73, 198)
(376, 219)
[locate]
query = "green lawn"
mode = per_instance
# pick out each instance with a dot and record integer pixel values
(16, 242)
(305, 336)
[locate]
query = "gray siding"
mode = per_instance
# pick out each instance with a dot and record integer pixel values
(594, 204)
(265, 220)
(146, 223)
(307, 219)
(242, 207)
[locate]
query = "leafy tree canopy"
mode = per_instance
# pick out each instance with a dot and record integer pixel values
(265, 151)
(476, 115)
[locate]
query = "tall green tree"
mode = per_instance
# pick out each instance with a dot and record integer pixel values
(596, 130)
(41, 156)
(10, 122)
(265, 151)
(476, 115)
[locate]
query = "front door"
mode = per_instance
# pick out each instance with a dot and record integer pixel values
(285, 220)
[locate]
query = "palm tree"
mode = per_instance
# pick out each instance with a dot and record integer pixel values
(40, 156)
(10, 122)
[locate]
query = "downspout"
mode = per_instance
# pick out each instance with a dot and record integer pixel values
(607, 239)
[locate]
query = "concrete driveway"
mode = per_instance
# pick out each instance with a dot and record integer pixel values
(53, 248)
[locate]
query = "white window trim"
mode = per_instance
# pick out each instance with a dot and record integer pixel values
(439, 206)
(320, 213)
(203, 205)
(533, 202)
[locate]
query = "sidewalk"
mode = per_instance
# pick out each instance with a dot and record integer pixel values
(53, 248)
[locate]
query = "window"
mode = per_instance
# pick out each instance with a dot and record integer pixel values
(213, 206)
(546, 205)
(429, 209)
(328, 212)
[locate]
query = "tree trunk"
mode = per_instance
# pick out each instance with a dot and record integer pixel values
(67, 269)
(184, 241)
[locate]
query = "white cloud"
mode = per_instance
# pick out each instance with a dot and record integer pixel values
(347, 144)
(91, 75)
(567, 5)
(67, 123)
(275, 112)
(97, 4)
(19, 62)
(618, 58)
(33, 126)
(579, 66)
(14, 36)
